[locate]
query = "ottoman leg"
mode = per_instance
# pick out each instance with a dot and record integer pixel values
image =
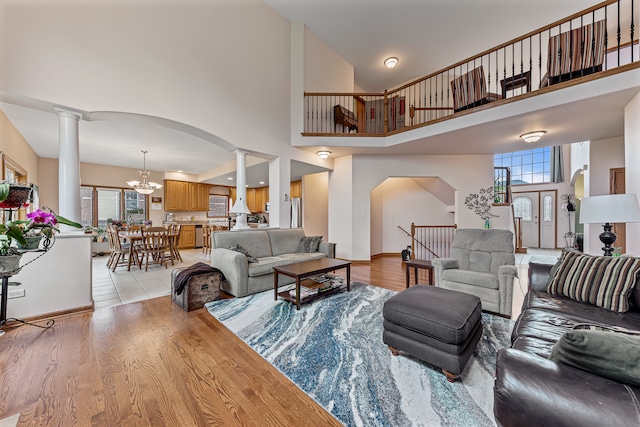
(450, 377)
(394, 351)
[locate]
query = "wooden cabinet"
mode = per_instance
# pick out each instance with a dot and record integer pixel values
(187, 237)
(296, 189)
(198, 196)
(251, 199)
(262, 197)
(176, 195)
(185, 196)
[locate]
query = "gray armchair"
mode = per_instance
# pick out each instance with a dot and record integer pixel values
(482, 263)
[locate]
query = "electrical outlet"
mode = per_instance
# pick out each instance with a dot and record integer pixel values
(18, 293)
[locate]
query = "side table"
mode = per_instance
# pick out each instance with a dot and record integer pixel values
(422, 264)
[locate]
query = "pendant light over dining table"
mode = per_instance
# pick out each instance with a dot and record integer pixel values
(144, 187)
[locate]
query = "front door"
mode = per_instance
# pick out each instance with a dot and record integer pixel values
(547, 221)
(525, 206)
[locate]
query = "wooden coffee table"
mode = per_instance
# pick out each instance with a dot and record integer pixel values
(303, 270)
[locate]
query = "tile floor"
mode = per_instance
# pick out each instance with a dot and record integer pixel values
(122, 287)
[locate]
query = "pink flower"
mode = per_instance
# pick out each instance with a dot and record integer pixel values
(39, 218)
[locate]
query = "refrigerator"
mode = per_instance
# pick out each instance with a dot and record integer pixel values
(296, 212)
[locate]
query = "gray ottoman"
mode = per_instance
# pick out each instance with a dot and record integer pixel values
(438, 326)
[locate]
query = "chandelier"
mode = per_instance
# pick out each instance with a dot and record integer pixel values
(144, 187)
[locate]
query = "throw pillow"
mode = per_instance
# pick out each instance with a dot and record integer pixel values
(599, 280)
(608, 354)
(244, 252)
(309, 244)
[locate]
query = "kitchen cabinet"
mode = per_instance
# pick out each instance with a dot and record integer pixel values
(187, 237)
(185, 196)
(262, 197)
(251, 199)
(198, 196)
(296, 189)
(176, 195)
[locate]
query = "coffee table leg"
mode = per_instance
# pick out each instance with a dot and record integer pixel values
(298, 293)
(415, 271)
(275, 286)
(349, 278)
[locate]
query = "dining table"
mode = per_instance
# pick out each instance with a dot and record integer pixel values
(136, 236)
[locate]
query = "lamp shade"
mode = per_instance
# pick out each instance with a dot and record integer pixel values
(240, 208)
(609, 209)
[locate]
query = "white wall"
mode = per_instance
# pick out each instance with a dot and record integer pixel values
(632, 172)
(315, 204)
(403, 201)
(324, 69)
(604, 154)
(60, 280)
(354, 177)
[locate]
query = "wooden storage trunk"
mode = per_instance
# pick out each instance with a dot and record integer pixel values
(199, 290)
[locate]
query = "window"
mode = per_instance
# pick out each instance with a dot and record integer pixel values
(218, 206)
(528, 166)
(547, 208)
(100, 204)
(522, 208)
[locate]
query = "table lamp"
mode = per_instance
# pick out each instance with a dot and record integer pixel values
(609, 209)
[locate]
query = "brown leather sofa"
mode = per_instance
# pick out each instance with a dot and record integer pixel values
(531, 390)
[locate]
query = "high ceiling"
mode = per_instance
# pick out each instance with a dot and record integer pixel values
(426, 35)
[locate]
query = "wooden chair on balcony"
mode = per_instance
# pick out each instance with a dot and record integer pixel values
(575, 53)
(470, 90)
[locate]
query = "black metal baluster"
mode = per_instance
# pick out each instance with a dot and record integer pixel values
(619, 33)
(540, 57)
(632, 31)
(606, 39)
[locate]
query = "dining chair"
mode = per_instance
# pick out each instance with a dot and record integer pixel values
(206, 235)
(155, 248)
(119, 252)
(174, 241)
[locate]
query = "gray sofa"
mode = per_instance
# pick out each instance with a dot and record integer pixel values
(482, 263)
(272, 248)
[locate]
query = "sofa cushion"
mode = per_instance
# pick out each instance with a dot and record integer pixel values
(612, 355)
(255, 241)
(599, 280)
(265, 265)
(285, 241)
(484, 280)
(309, 244)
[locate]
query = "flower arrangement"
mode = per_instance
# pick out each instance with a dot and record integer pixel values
(480, 203)
(39, 223)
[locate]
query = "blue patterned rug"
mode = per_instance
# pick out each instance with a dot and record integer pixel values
(332, 349)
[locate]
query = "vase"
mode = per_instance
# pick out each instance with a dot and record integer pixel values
(487, 224)
(9, 265)
(33, 242)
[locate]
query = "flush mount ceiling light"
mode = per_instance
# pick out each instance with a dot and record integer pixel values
(144, 187)
(391, 62)
(533, 136)
(324, 154)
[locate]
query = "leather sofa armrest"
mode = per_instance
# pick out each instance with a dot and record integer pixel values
(539, 275)
(329, 249)
(533, 391)
(235, 268)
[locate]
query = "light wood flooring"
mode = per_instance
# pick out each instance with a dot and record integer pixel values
(149, 363)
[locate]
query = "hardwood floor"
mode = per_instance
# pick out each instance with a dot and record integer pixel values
(151, 363)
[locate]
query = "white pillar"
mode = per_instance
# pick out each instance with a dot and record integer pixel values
(241, 186)
(69, 205)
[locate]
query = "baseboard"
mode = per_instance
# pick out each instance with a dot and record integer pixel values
(386, 254)
(57, 314)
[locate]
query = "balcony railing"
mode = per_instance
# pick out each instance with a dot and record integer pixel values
(596, 42)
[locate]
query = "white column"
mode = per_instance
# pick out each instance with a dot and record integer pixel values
(279, 189)
(241, 186)
(69, 205)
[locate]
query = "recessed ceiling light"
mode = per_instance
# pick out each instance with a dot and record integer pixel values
(531, 137)
(261, 182)
(324, 154)
(230, 178)
(391, 62)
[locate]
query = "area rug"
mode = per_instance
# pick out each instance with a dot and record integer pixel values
(332, 349)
